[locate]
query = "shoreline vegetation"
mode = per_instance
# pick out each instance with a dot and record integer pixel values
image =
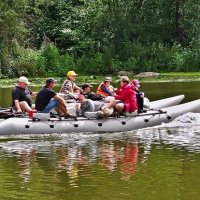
(164, 77)
(98, 37)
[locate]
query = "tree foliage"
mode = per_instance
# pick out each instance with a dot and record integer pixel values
(137, 35)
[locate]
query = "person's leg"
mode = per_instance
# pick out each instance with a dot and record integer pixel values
(24, 106)
(140, 103)
(52, 104)
(111, 104)
(33, 106)
(62, 110)
(120, 108)
(61, 107)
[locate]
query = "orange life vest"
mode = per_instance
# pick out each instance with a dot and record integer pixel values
(99, 91)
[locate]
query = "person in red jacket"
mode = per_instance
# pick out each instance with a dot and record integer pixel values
(127, 96)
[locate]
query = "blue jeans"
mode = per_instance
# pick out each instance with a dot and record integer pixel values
(52, 104)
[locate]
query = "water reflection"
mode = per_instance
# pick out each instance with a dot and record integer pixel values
(84, 160)
(121, 153)
(25, 160)
(73, 157)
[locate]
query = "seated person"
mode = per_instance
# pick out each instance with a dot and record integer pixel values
(47, 99)
(139, 95)
(86, 91)
(126, 94)
(22, 96)
(105, 88)
(69, 87)
(87, 105)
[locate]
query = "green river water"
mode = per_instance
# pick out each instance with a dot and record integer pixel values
(151, 164)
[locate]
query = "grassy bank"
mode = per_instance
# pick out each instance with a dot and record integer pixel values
(178, 76)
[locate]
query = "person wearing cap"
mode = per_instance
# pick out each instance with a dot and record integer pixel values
(139, 95)
(47, 99)
(22, 96)
(126, 94)
(86, 91)
(69, 87)
(105, 88)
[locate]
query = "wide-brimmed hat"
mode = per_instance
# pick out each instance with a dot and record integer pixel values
(23, 79)
(71, 73)
(50, 80)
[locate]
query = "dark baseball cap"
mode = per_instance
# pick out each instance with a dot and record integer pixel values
(85, 85)
(50, 80)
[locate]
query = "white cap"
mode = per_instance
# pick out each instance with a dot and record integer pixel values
(108, 79)
(23, 79)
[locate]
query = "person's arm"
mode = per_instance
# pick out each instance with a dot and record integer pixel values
(34, 94)
(60, 99)
(119, 97)
(117, 91)
(77, 88)
(105, 90)
(17, 106)
(78, 109)
(16, 97)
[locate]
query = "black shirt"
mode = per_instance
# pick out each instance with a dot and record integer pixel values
(21, 94)
(43, 97)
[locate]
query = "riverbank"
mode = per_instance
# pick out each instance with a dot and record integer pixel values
(164, 77)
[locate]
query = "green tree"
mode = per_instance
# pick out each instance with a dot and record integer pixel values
(12, 32)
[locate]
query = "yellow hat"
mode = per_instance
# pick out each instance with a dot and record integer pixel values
(71, 73)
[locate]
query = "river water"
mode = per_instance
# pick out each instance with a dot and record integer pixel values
(161, 162)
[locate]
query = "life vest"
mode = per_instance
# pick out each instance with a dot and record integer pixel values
(99, 91)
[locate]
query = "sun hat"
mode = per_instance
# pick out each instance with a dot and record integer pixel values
(85, 85)
(50, 80)
(108, 79)
(71, 73)
(23, 79)
(125, 79)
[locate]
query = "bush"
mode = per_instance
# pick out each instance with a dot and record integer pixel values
(29, 63)
(91, 64)
(67, 63)
(51, 54)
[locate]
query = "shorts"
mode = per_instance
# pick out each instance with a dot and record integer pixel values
(52, 104)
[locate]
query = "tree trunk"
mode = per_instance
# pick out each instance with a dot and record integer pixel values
(179, 27)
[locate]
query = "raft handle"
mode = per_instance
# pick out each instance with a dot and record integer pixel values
(123, 123)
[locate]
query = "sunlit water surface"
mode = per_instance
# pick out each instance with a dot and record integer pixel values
(154, 163)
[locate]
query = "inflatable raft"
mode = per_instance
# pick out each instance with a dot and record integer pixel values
(48, 125)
